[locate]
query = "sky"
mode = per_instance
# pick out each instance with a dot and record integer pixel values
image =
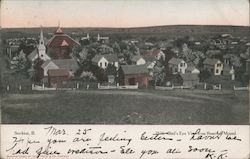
(122, 13)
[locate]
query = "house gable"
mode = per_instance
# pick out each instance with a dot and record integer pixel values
(103, 63)
(48, 66)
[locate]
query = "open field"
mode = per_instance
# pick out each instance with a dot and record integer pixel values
(127, 107)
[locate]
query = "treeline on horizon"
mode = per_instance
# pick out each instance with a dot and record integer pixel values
(152, 31)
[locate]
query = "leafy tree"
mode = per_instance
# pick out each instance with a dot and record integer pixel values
(99, 73)
(76, 51)
(158, 75)
(204, 75)
(38, 70)
(116, 48)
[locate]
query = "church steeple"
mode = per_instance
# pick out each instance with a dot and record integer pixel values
(41, 48)
(41, 45)
(41, 40)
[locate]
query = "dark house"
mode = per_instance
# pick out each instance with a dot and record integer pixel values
(133, 74)
(58, 78)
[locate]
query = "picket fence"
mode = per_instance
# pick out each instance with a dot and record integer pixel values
(241, 88)
(172, 87)
(99, 86)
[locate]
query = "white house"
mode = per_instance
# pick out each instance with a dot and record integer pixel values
(177, 65)
(103, 60)
(215, 66)
(138, 60)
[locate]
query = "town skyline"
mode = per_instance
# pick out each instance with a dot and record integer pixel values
(122, 14)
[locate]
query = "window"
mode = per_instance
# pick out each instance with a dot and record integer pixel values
(218, 65)
(181, 64)
(217, 71)
(100, 64)
(105, 64)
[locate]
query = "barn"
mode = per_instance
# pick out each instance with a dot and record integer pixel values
(58, 78)
(133, 74)
(60, 45)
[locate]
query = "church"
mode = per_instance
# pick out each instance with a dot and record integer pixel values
(39, 51)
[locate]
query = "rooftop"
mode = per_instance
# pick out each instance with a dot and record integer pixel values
(58, 72)
(174, 61)
(134, 69)
(108, 57)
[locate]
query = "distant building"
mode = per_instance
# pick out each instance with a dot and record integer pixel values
(40, 51)
(58, 78)
(102, 61)
(60, 45)
(155, 52)
(215, 66)
(86, 37)
(102, 38)
(177, 65)
(133, 74)
(138, 60)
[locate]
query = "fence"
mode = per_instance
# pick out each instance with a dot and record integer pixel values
(172, 87)
(217, 87)
(241, 88)
(164, 88)
(41, 88)
(118, 86)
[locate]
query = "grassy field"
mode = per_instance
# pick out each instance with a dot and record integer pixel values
(127, 107)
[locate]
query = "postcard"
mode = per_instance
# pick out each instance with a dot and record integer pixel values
(125, 79)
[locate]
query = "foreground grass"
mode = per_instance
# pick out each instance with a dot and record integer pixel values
(127, 107)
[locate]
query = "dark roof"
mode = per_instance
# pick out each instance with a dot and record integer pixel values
(60, 38)
(152, 52)
(149, 58)
(58, 72)
(134, 69)
(155, 51)
(108, 57)
(209, 61)
(70, 64)
(213, 52)
(174, 61)
(189, 77)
